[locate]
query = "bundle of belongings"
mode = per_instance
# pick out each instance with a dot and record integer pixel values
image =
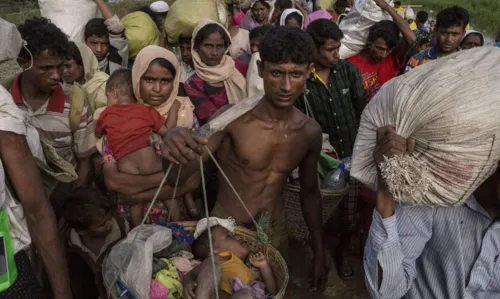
(69, 15)
(184, 16)
(450, 108)
(153, 261)
(356, 26)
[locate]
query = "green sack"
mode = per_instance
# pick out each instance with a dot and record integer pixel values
(141, 31)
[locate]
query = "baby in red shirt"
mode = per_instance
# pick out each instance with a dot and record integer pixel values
(128, 127)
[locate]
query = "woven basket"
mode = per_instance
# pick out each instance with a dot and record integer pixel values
(297, 226)
(249, 239)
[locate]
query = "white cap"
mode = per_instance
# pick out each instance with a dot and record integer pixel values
(159, 6)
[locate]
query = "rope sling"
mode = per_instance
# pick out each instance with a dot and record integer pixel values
(261, 236)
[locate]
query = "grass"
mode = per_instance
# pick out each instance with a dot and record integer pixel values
(485, 14)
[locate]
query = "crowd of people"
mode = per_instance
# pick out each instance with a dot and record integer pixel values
(87, 133)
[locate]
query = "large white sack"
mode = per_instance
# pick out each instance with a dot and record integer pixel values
(70, 16)
(451, 107)
(356, 26)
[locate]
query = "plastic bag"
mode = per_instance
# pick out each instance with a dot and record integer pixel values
(141, 31)
(451, 108)
(137, 258)
(8, 32)
(69, 15)
(356, 26)
(184, 15)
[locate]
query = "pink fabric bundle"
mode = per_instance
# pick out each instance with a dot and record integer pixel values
(317, 15)
(238, 18)
(157, 290)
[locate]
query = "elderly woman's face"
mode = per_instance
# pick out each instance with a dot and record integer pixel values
(212, 49)
(156, 85)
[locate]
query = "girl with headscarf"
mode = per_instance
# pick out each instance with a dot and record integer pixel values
(472, 39)
(155, 81)
(260, 13)
(219, 79)
(292, 17)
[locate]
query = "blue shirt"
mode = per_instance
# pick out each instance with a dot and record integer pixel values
(442, 253)
(422, 58)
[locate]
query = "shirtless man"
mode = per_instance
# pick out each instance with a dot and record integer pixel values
(259, 150)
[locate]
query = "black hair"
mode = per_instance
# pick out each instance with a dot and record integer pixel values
(295, 16)
(322, 30)
(146, 9)
(341, 3)
(96, 27)
(452, 16)
(397, 3)
(185, 40)
(85, 204)
(287, 44)
(121, 81)
(422, 17)
(165, 64)
(259, 32)
(41, 35)
(74, 53)
(263, 2)
(209, 29)
(201, 246)
(386, 30)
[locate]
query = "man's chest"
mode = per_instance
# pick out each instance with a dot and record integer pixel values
(259, 149)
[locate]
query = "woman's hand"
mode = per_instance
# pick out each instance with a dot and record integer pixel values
(180, 147)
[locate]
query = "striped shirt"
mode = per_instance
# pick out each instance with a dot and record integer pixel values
(53, 124)
(422, 58)
(434, 253)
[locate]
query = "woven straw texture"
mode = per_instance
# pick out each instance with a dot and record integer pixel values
(297, 227)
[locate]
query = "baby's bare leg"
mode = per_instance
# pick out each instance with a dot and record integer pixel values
(205, 288)
(173, 209)
(191, 205)
(136, 214)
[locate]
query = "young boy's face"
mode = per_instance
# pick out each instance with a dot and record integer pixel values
(255, 44)
(100, 227)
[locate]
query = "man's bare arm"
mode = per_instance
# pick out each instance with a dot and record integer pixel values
(167, 192)
(310, 199)
(85, 172)
(182, 149)
(26, 180)
(128, 183)
(106, 11)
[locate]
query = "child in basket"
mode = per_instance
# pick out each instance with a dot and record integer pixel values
(128, 127)
(234, 278)
(90, 231)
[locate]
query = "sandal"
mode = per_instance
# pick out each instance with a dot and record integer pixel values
(344, 267)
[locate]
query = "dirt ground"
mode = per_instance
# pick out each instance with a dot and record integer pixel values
(299, 267)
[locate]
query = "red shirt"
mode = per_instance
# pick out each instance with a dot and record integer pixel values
(375, 74)
(128, 127)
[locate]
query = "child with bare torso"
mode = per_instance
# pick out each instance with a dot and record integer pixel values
(128, 127)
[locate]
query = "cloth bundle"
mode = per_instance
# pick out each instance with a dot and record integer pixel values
(356, 26)
(184, 16)
(69, 15)
(451, 108)
(141, 31)
(136, 258)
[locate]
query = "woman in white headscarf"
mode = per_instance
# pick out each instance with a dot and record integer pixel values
(292, 17)
(472, 39)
